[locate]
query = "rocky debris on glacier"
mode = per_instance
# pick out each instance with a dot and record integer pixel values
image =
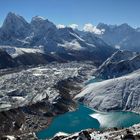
(31, 97)
(113, 95)
(120, 63)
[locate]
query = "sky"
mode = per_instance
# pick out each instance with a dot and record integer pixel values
(79, 12)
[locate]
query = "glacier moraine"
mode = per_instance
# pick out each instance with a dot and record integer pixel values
(34, 84)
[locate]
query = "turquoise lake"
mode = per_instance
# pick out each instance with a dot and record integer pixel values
(84, 118)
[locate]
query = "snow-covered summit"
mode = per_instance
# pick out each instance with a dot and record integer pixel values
(38, 18)
(15, 25)
(41, 25)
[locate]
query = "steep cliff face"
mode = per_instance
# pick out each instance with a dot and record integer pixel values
(6, 60)
(120, 63)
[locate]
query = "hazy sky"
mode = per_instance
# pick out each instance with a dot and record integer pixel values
(76, 11)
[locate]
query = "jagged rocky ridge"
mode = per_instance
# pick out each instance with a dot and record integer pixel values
(65, 42)
(120, 63)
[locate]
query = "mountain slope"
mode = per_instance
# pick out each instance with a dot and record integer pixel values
(14, 57)
(120, 63)
(6, 60)
(121, 36)
(13, 30)
(101, 47)
(114, 94)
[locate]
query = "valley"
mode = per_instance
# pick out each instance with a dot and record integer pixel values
(30, 98)
(65, 83)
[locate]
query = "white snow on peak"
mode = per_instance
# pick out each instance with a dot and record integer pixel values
(59, 26)
(74, 26)
(38, 18)
(93, 29)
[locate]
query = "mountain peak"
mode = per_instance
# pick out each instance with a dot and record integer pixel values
(38, 18)
(12, 14)
(125, 26)
(15, 25)
(13, 17)
(41, 25)
(105, 26)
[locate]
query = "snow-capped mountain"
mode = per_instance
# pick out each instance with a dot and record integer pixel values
(16, 31)
(115, 94)
(120, 63)
(96, 41)
(120, 36)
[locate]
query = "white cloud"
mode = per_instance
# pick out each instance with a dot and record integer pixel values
(74, 26)
(60, 26)
(91, 28)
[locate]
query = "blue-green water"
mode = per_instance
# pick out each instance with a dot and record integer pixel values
(84, 118)
(70, 122)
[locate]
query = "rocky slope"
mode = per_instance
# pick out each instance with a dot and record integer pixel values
(12, 57)
(132, 133)
(120, 63)
(6, 60)
(113, 95)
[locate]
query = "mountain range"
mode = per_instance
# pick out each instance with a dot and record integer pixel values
(120, 36)
(46, 91)
(67, 44)
(63, 42)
